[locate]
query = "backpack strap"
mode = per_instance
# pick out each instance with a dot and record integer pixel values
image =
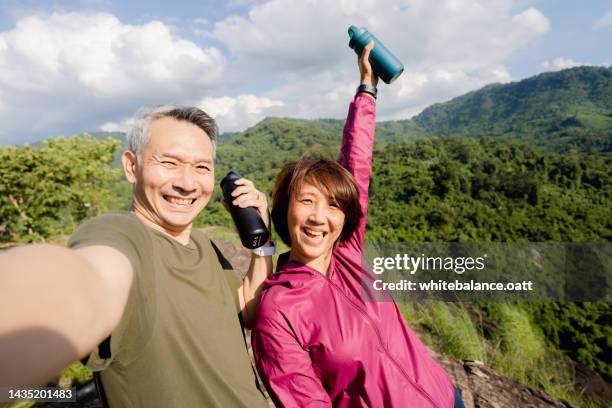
(225, 264)
(104, 352)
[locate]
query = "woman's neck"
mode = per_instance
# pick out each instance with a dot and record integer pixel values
(319, 264)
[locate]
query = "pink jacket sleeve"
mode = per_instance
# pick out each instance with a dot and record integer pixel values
(285, 367)
(356, 155)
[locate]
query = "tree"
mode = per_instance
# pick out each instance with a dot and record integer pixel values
(47, 190)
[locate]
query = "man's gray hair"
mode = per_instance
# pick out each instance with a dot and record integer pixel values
(140, 133)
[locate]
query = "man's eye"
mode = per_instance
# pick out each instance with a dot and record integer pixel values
(202, 168)
(168, 163)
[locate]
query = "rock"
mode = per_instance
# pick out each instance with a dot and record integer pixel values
(483, 387)
(592, 384)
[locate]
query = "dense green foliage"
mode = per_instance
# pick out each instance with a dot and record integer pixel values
(450, 189)
(47, 190)
(447, 189)
(583, 330)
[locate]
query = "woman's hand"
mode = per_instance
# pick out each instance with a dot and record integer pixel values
(365, 69)
(246, 195)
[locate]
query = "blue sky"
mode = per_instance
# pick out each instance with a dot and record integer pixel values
(69, 67)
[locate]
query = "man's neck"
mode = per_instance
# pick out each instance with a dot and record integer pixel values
(182, 236)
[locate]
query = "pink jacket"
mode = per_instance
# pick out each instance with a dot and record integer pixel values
(317, 342)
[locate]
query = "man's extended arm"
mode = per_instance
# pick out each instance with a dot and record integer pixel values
(57, 305)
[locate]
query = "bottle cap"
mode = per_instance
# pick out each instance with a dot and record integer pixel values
(232, 175)
(353, 32)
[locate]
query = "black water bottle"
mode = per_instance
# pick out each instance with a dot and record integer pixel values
(251, 228)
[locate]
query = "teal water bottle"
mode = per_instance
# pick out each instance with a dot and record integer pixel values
(385, 65)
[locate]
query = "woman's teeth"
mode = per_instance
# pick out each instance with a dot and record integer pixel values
(314, 234)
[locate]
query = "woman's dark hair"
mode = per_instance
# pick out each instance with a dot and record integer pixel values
(327, 175)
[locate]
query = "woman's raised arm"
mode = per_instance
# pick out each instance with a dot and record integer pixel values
(358, 138)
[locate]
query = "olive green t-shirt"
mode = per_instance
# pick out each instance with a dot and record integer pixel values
(179, 342)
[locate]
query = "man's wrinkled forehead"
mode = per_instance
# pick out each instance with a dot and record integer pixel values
(181, 140)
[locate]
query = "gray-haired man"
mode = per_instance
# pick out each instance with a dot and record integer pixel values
(145, 278)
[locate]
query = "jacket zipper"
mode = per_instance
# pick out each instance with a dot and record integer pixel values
(380, 340)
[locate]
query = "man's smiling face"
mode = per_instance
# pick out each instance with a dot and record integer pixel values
(174, 175)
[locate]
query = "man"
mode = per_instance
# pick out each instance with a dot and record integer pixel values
(145, 278)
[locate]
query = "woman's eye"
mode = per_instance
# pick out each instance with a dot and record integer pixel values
(306, 201)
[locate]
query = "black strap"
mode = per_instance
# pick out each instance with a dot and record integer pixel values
(369, 89)
(225, 264)
(104, 351)
(100, 388)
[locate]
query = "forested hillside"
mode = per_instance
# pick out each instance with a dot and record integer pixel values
(557, 110)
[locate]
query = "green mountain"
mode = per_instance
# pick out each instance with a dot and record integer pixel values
(559, 111)
(556, 110)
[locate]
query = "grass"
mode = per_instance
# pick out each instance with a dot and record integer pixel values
(74, 373)
(453, 332)
(515, 348)
(520, 346)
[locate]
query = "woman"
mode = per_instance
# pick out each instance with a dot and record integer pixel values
(316, 340)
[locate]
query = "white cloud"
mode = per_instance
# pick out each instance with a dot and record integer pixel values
(124, 126)
(240, 112)
(448, 48)
(285, 35)
(559, 63)
(231, 113)
(65, 71)
(604, 21)
(533, 21)
(70, 72)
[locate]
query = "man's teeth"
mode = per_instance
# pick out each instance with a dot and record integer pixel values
(179, 201)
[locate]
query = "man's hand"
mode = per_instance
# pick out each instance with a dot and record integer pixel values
(57, 305)
(248, 196)
(365, 69)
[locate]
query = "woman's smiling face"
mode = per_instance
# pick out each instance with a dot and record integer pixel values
(315, 222)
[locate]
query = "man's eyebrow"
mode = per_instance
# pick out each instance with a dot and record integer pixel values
(182, 158)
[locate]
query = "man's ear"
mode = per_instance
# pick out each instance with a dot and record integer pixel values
(128, 158)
